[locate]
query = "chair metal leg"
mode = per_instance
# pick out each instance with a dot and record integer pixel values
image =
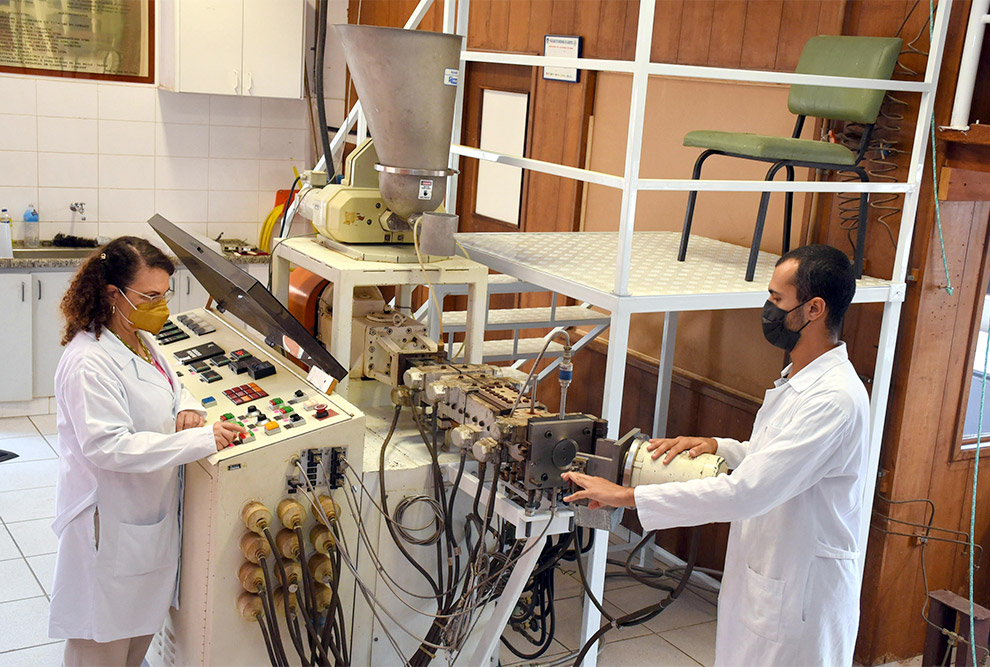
(692, 196)
(754, 250)
(788, 210)
(864, 212)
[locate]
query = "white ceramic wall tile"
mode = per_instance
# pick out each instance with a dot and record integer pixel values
(16, 427)
(180, 140)
(277, 174)
(46, 424)
(18, 583)
(18, 133)
(27, 448)
(231, 110)
(233, 206)
(235, 142)
(181, 173)
(18, 168)
(34, 538)
(182, 205)
(127, 171)
(24, 623)
(67, 170)
(233, 174)
(67, 135)
(19, 94)
(127, 101)
(126, 206)
(53, 204)
(285, 144)
(71, 99)
(183, 108)
(126, 137)
(88, 230)
(284, 113)
(16, 200)
(46, 655)
(114, 229)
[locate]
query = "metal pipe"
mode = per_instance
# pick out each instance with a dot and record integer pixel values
(966, 80)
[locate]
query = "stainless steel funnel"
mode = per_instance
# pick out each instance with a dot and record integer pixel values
(406, 80)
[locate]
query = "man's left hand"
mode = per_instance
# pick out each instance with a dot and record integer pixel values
(599, 491)
(188, 419)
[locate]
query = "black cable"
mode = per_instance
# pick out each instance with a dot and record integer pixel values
(285, 207)
(290, 622)
(271, 614)
(318, 62)
(268, 641)
(647, 613)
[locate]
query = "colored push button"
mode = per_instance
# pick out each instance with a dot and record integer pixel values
(275, 402)
(271, 428)
(246, 438)
(321, 411)
(209, 402)
(227, 417)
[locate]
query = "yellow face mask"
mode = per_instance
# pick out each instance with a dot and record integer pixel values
(150, 317)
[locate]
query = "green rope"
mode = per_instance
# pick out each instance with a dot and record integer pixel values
(938, 208)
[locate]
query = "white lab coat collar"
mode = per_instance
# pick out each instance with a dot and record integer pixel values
(122, 356)
(810, 374)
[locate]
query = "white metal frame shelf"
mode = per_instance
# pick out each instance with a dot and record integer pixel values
(623, 302)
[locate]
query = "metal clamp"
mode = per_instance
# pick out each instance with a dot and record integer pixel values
(403, 171)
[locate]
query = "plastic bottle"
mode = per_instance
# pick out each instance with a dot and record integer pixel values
(31, 227)
(6, 249)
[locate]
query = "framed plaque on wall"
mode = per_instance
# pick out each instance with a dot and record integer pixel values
(89, 39)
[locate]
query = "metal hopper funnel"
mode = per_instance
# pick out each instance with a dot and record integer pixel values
(406, 80)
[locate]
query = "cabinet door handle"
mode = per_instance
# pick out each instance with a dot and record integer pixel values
(188, 285)
(248, 81)
(39, 290)
(234, 80)
(23, 291)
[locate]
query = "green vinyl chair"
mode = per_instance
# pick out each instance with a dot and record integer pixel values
(862, 57)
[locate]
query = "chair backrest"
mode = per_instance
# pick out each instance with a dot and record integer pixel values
(844, 55)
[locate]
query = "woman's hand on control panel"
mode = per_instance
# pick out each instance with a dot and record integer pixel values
(188, 419)
(226, 434)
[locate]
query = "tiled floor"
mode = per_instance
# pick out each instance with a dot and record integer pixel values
(27, 544)
(683, 635)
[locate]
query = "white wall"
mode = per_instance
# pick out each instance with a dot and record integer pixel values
(209, 162)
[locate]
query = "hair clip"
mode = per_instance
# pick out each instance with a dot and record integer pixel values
(103, 255)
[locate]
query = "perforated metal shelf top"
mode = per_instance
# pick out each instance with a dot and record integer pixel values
(582, 265)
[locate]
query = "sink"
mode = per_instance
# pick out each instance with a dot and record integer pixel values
(52, 253)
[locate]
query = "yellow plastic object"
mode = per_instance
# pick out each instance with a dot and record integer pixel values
(293, 572)
(255, 547)
(272, 219)
(290, 512)
(321, 568)
(330, 508)
(256, 516)
(251, 577)
(322, 539)
(249, 606)
(288, 543)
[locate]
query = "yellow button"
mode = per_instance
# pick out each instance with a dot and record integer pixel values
(271, 426)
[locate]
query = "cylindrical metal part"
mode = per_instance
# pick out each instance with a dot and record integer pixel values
(321, 568)
(251, 577)
(291, 512)
(255, 547)
(436, 233)
(249, 606)
(256, 516)
(330, 508)
(292, 571)
(322, 539)
(646, 470)
(288, 543)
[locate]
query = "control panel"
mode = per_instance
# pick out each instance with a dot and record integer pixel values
(236, 380)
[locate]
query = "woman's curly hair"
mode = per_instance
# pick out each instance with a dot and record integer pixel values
(86, 305)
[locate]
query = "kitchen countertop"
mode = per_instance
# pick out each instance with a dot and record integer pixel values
(72, 262)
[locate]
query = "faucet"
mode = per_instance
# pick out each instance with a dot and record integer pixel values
(80, 208)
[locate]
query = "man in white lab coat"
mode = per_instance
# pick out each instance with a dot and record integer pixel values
(790, 590)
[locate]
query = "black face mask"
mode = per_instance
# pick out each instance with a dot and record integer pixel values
(774, 329)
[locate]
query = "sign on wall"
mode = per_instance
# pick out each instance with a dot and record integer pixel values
(562, 46)
(94, 39)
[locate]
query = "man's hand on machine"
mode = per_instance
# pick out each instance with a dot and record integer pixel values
(674, 446)
(225, 432)
(599, 491)
(188, 419)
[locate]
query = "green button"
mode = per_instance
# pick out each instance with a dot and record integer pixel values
(226, 417)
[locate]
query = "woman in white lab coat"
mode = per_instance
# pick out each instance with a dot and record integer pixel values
(125, 426)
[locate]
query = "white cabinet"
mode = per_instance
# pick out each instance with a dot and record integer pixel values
(189, 293)
(47, 290)
(233, 47)
(15, 336)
